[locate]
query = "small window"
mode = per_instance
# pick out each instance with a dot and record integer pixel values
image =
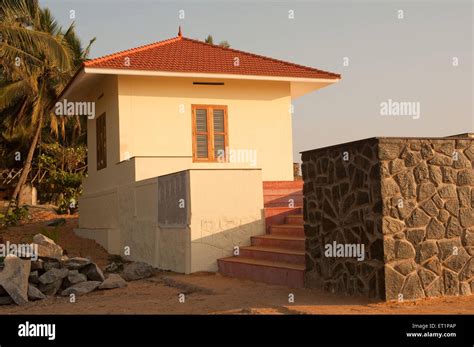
(210, 137)
(101, 142)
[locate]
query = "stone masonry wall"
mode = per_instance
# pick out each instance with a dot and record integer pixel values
(410, 202)
(428, 217)
(342, 204)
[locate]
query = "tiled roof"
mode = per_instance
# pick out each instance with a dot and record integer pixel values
(181, 54)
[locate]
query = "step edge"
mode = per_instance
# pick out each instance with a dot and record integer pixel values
(280, 237)
(254, 262)
(273, 250)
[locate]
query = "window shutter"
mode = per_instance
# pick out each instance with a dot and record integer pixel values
(209, 132)
(219, 134)
(101, 142)
(202, 143)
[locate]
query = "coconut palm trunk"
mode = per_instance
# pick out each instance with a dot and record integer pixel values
(29, 160)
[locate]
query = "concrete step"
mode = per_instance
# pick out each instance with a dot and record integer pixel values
(283, 200)
(287, 230)
(276, 215)
(294, 219)
(273, 254)
(282, 185)
(279, 241)
(272, 272)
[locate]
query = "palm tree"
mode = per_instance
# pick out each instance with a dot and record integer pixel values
(210, 40)
(37, 59)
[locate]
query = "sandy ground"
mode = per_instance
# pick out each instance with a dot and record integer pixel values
(205, 293)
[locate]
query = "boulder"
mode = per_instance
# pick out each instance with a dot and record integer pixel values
(37, 265)
(93, 272)
(137, 270)
(114, 267)
(34, 293)
(34, 277)
(48, 265)
(14, 278)
(53, 275)
(76, 263)
(81, 288)
(56, 222)
(113, 281)
(50, 289)
(47, 248)
(6, 300)
(75, 277)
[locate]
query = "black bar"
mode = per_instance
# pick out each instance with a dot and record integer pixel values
(237, 329)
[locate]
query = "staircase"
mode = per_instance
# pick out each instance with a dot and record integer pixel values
(277, 257)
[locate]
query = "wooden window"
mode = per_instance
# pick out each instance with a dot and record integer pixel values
(101, 142)
(210, 138)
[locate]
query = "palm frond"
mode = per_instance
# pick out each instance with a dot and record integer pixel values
(10, 92)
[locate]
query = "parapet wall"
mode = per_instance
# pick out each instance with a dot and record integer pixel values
(408, 201)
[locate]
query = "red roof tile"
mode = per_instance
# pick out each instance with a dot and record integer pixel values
(181, 54)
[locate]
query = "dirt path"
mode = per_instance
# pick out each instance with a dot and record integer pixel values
(204, 293)
(214, 294)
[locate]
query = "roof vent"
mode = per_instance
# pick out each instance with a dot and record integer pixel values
(209, 83)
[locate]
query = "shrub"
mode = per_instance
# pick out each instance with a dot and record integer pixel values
(14, 216)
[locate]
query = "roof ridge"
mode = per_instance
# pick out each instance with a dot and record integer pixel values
(132, 50)
(264, 57)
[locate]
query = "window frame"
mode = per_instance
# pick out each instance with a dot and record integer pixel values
(210, 132)
(101, 148)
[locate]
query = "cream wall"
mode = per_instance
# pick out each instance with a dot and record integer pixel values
(151, 124)
(114, 174)
(226, 210)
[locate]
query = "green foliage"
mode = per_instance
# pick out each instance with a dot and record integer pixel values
(14, 216)
(49, 55)
(209, 39)
(224, 44)
(65, 167)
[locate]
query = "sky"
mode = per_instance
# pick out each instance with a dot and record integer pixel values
(417, 52)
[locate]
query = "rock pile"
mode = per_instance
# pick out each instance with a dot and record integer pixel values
(53, 273)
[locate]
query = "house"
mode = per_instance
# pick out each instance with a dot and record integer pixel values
(185, 138)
